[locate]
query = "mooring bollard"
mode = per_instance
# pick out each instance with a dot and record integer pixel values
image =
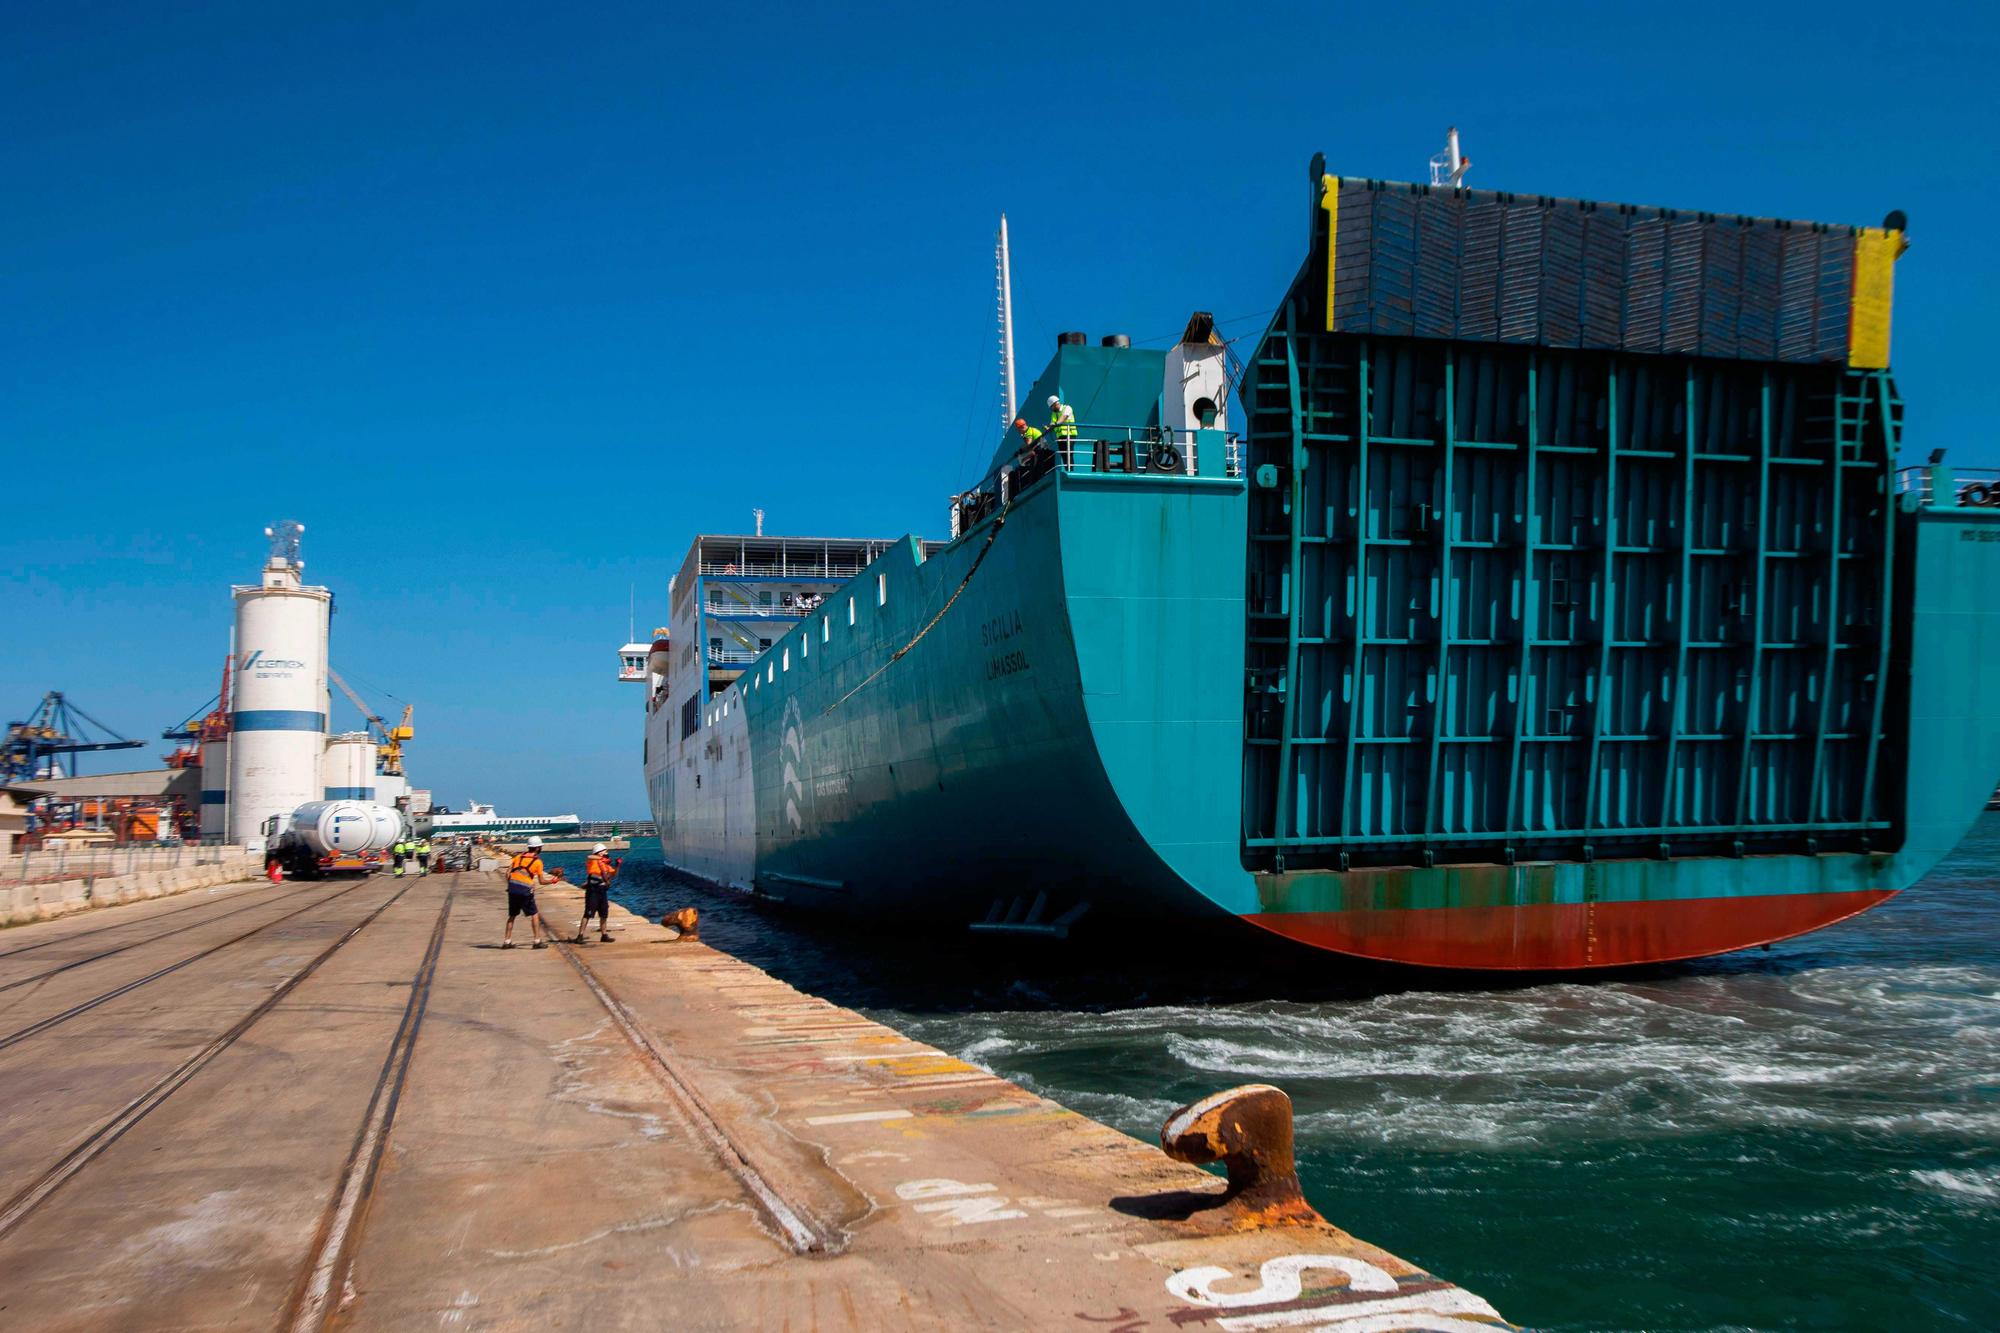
(1249, 1130)
(686, 920)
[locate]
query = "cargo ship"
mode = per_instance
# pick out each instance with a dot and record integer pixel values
(1542, 592)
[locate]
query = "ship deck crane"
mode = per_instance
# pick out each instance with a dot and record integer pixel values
(34, 748)
(389, 740)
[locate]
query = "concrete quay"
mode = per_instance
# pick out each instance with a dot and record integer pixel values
(340, 1104)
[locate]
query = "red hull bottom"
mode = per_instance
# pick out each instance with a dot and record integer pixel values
(1560, 936)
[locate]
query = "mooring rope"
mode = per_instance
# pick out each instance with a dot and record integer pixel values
(998, 523)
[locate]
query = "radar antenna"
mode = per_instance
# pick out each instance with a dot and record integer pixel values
(1449, 167)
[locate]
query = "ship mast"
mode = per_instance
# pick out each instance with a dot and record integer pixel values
(1005, 279)
(1449, 167)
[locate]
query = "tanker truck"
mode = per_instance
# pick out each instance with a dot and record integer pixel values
(324, 837)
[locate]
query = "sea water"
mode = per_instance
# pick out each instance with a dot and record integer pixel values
(1804, 1137)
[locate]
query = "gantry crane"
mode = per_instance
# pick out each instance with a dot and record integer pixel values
(388, 740)
(34, 748)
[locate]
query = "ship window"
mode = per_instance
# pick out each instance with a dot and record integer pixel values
(762, 644)
(788, 659)
(850, 610)
(771, 673)
(764, 598)
(805, 646)
(881, 590)
(825, 629)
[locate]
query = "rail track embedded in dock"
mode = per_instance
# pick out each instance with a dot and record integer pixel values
(375, 1119)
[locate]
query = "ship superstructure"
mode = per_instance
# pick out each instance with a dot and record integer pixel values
(1544, 594)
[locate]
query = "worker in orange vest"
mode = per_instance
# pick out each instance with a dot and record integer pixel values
(523, 875)
(598, 872)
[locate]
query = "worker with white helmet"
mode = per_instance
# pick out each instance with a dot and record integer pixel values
(1062, 424)
(598, 872)
(523, 875)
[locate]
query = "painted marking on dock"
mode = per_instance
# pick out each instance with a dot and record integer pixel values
(919, 1084)
(1371, 1298)
(923, 1065)
(856, 1117)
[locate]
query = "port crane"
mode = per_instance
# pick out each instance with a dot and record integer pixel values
(34, 748)
(207, 723)
(388, 740)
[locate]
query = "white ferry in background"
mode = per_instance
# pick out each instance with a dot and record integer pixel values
(478, 818)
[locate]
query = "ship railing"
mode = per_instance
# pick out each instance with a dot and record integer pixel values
(796, 569)
(727, 607)
(1942, 486)
(1104, 450)
(734, 656)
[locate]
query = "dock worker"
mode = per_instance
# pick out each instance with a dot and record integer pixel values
(523, 875)
(397, 854)
(423, 856)
(598, 872)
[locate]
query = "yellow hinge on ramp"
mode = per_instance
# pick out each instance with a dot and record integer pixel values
(1875, 252)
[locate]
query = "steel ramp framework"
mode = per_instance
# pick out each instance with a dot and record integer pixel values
(1559, 603)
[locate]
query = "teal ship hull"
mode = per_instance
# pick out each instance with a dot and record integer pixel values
(1571, 683)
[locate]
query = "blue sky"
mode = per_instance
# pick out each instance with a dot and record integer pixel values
(506, 302)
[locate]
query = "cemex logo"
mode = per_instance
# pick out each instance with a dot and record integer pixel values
(256, 658)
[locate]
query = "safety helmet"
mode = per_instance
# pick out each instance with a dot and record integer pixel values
(1054, 401)
(600, 849)
(1021, 421)
(534, 844)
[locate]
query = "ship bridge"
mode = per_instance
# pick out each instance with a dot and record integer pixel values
(734, 596)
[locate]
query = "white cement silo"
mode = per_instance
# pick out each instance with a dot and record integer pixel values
(214, 789)
(278, 703)
(348, 771)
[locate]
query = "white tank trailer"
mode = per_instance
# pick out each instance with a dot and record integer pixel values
(278, 704)
(215, 790)
(342, 829)
(348, 771)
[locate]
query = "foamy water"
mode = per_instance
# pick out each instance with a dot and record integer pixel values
(1807, 1137)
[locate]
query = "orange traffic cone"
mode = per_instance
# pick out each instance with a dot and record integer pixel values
(277, 875)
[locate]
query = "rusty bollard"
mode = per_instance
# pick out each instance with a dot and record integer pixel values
(686, 920)
(1249, 1130)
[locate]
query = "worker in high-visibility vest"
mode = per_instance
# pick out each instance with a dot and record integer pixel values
(1030, 437)
(598, 872)
(423, 856)
(397, 853)
(1062, 421)
(1033, 457)
(523, 874)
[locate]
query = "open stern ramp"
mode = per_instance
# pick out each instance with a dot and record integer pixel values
(1581, 605)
